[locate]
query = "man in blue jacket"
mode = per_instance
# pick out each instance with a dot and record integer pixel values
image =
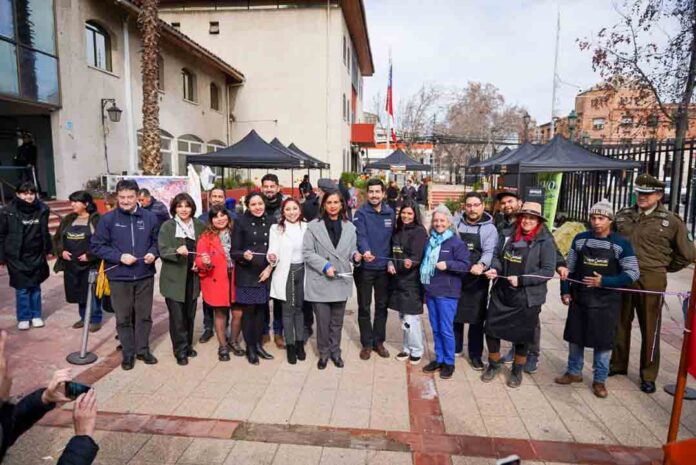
(151, 204)
(374, 223)
(126, 238)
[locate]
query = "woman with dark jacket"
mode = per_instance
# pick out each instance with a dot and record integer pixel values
(406, 293)
(445, 261)
(329, 248)
(74, 259)
(517, 296)
(179, 276)
(249, 248)
(24, 244)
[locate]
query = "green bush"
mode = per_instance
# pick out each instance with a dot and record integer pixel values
(235, 182)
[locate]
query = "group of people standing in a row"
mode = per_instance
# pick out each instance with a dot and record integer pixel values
(306, 258)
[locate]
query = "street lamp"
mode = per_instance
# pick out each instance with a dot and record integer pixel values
(572, 123)
(525, 120)
(114, 114)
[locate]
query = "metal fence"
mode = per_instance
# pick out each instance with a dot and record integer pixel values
(580, 190)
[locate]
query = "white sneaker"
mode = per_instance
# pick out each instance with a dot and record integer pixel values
(37, 323)
(23, 325)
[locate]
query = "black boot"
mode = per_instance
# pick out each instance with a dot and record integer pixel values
(516, 374)
(224, 353)
(299, 347)
(492, 371)
(252, 356)
(261, 352)
(291, 353)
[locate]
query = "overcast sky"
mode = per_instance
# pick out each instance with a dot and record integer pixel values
(508, 43)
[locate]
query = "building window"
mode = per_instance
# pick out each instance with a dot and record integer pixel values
(188, 85)
(187, 145)
(348, 64)
(344, 50)
(176, 26)
(344, 107)
(165, 151)
(214, 28)
(98, 46)
(160, 72)
(598, 123)
(214, 96)
(627, 120)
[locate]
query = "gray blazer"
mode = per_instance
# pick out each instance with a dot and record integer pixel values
(318, 250)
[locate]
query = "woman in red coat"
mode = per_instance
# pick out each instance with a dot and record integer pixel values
(216, 270)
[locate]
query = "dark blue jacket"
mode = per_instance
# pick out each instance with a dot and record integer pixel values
(374, 231)
(120, 232)
(159, 209)
(448, 283)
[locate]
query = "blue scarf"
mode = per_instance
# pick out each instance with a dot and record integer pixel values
(431, 255)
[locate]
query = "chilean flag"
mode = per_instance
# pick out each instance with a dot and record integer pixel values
(390, 102)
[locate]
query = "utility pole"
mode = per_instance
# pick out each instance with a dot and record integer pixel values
(555, 76)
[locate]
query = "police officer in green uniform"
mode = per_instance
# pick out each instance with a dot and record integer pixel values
(662, 244)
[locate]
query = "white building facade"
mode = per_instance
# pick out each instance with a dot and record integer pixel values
(97, 49)
(304, 63)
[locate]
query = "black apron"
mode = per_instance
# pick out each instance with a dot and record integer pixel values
(474, 297)
(594, 312)
(76, 273)
(509, 317)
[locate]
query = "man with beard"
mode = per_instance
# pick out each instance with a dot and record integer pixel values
(509, 204)
(270, 187)
(374, 223)
(476, 229)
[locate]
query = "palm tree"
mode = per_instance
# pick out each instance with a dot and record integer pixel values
(150, 158)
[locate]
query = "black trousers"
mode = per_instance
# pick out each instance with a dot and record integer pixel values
(132, 304)
(308, 312)
(372, 333)
(475, 339)
(253, 323)
(181, 318)
(493, 344)
(208, 317)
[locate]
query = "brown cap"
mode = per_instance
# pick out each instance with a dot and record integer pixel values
(647, 184)
(531, 208)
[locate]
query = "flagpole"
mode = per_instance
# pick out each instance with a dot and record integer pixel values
(683, 364)
(390, 103)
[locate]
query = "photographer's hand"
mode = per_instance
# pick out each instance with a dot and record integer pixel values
(85, 414)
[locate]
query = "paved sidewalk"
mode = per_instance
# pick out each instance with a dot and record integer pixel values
(376, 411)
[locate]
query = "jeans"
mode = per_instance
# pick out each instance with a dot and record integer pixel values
(413, 334)
(372, 333)
(441, 312)
(96, 316)
(28, 303)
(475, 339)
(534, 348)
(277, 318)
(600, 364)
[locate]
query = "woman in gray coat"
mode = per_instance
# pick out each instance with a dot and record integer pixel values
(329, 246)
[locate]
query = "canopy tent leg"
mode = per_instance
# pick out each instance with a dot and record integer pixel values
(248, 179)
(292, 182)
(519, 183)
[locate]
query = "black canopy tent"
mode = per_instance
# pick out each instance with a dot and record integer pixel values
(488, 162)
(250, 152)
(321, 165)
(398, 158)
(562, 155)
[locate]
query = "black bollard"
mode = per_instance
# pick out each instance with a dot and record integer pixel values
(83, 357)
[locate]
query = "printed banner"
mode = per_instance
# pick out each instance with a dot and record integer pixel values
(163, 188)
(552, 184)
